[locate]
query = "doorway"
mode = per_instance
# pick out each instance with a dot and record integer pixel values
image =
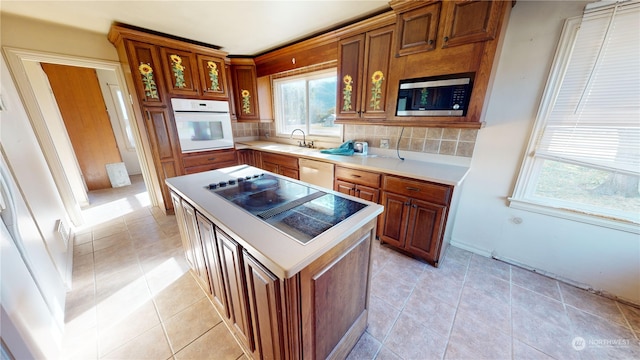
(46, 119)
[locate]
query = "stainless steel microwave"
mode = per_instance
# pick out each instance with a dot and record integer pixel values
(435, 96)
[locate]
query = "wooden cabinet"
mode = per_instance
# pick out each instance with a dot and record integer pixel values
(359, 183)
(146, 73)
(191, 240)
(415, 216)
(264, 292)
(180, 72)
(213, 77)
(363, 70)
(245, 89)
(233, 277)
(217, 287)
(250, 157)
(470, 21)
(208, 160)
(280, 164)
(417, 29)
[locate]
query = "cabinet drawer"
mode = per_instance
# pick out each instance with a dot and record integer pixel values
(435, 193)
(283, 160)
(358, 176)
(209, 158)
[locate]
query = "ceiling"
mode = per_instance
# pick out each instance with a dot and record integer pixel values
(238, 27)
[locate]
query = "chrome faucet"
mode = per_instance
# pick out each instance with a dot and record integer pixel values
(304, 142)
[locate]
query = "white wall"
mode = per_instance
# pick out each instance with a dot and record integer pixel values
(591, 256)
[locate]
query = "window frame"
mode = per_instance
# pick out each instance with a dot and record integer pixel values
(530, 170)
(309, 75)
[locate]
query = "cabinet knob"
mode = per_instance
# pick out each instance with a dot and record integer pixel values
(430, 41)
(407, 203)
(446, 38)
(414, 206)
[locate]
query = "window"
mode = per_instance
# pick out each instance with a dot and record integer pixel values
(583, 160)
(307, 102)
(121, 111)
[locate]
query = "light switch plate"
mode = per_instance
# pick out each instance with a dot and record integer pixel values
(384, 143)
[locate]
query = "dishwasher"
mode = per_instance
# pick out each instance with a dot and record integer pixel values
(316, 172)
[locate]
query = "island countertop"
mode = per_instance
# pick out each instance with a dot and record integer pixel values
(283, 255)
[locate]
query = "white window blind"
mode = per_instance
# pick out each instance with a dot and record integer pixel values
(595, 119)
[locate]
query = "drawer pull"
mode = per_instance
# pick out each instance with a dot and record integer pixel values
(412, 188)
(355, 176)
(211, 159)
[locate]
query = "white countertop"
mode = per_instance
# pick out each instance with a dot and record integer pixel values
(438, 172)
(281, 254)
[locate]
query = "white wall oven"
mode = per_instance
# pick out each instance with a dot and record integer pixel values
(202, 124)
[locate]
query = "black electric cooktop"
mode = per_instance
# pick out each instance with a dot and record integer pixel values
(299, 211)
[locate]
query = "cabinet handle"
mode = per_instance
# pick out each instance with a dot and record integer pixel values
(414, 206)
(355, 176)
(408, 203)
(412, 188)
(211, 159)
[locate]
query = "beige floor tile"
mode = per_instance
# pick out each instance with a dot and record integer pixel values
(215, 344)
(393, 291)
(473, 338)
(191, 323)
(151, 344)
(522, 351)
(535, 282)
(411, 339)
(179, 295)
(136, 323)
(632, 314)
(490, 266)
(591, 303)
(381, 318)
(424, 307)
(365, 349)
(386, 354)
(122, 303)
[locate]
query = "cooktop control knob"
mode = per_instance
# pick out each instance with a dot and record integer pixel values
(213, 186)
(222, 184)
(232, 182)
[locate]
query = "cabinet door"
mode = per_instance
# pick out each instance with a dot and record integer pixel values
(212, 261)
(376, 69)
(245, 92)
(350, 60)
(289, 172)
(146, 72)
(265, 304)
(271, 167)
(233, 275)
(417, 30)
(213, 77)
(367, 193)
(470, 21)
(344, 187)
(180, 71)
(394, 220)
(194, 235)
(425, 229)
(182, 227)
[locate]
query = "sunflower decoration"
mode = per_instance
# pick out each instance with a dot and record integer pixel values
(376, 90)
(246, 104)
(178, 70)
(346, 92)
(150, 89)
(423, 96)
(213, 75)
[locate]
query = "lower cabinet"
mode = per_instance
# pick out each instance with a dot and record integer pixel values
(359, 183)
(212, 260)
(280, 164)
(208, 160)
(415, 216)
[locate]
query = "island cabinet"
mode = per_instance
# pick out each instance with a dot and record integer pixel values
(359, 183)
(415, 216)
(363, 70)
(280, 164)
(318, 312)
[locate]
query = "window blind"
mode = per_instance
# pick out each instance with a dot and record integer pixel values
(595, 120)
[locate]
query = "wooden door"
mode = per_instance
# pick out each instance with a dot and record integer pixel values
(350, 60)
(425, 229)
(376, 64)
(367, 193)
(246, 92)
(180, 71)
(212, 259)
(196, 242)
(213, 77)
(470, 21)
(77, 92)
(394, 221)
(417, 30)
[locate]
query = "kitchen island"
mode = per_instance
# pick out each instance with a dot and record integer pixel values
(282, 295)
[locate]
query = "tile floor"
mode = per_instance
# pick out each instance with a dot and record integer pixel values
(133, 298)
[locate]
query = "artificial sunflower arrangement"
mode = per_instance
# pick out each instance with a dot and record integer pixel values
(376, 89)
(346, 92)
(150, 89)
(178, 70)
(213, 75)
(246, 104)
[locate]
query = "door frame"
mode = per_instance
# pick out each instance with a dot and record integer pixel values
(67, 176)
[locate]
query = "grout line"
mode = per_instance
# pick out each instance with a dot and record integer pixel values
(457, 306)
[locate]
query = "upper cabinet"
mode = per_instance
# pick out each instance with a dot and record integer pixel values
(363, 70)
(470, 21)
(146, 73)
(245, 89)
(417, 29)
(213, 77)
(180, 71)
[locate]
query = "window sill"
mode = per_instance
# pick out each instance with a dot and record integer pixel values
(616, 224)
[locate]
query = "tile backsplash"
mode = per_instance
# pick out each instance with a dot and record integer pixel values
(443, 141)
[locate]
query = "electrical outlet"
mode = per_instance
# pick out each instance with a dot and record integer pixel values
(384, 143)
